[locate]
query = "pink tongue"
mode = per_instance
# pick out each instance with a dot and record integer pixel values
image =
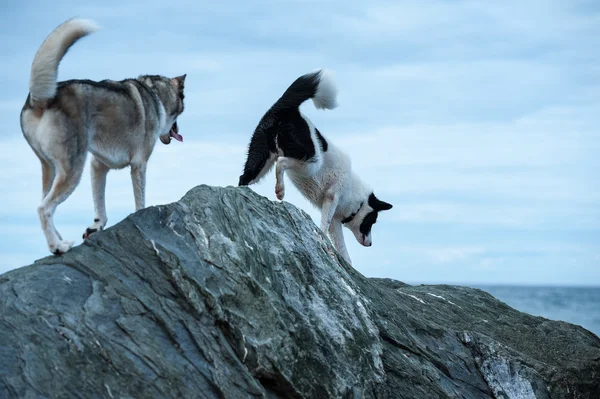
(176, 136)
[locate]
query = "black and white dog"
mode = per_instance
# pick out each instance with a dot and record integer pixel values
(321, 172)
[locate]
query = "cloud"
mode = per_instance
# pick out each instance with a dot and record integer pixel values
(11, 106)
(469, 21)
(451, 255)
(498, 215)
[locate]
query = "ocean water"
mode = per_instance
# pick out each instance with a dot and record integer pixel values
(577, 305)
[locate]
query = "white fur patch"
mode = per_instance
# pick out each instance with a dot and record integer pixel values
(326, 95)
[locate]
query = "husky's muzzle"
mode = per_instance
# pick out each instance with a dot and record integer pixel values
(173, 133)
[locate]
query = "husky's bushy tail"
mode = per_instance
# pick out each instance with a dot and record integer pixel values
(44, 69)
(318, 85)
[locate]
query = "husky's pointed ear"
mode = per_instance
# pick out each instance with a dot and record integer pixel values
(179, 80)
(378, 205)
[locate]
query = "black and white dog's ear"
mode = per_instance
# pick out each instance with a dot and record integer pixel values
(383, 206)
(378, 205)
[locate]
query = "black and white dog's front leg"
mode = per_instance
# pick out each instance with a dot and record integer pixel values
(328, 208)
(337, 235)
(331, 226)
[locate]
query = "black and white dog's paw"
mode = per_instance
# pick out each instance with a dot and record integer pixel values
(97, 226)
(88, 233)
(279, 191)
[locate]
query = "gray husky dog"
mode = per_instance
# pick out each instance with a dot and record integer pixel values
(117, 121)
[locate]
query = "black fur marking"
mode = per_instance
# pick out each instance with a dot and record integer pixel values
(371, 218)
(262, 145)
(377, 204)
(286, 130)
(89, 232)
(351, 217)
(321, 140)
(284, 127)
(301, 90)
(154, 78)
(368, 222)
(109, 85)
(293, 136)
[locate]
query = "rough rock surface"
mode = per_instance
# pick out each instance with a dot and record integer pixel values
(227, 294)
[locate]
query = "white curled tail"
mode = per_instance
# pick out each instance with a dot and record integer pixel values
(326, 94)
(317, 85)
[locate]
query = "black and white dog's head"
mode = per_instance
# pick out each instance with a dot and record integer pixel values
(361, 223)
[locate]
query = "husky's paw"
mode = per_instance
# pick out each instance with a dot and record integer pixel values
(97, 226)
(61, 247)
(279, 191)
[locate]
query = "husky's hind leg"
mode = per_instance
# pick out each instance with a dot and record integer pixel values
(47, 179)
(99, 172)
(64, 148)
(66, 179)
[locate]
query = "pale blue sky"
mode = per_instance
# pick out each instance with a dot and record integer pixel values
(479, 121)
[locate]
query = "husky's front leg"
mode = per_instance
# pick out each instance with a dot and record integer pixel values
(99, 172)
(138, 178)
(337, 235)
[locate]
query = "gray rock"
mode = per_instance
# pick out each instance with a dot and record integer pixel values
(227, 294)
